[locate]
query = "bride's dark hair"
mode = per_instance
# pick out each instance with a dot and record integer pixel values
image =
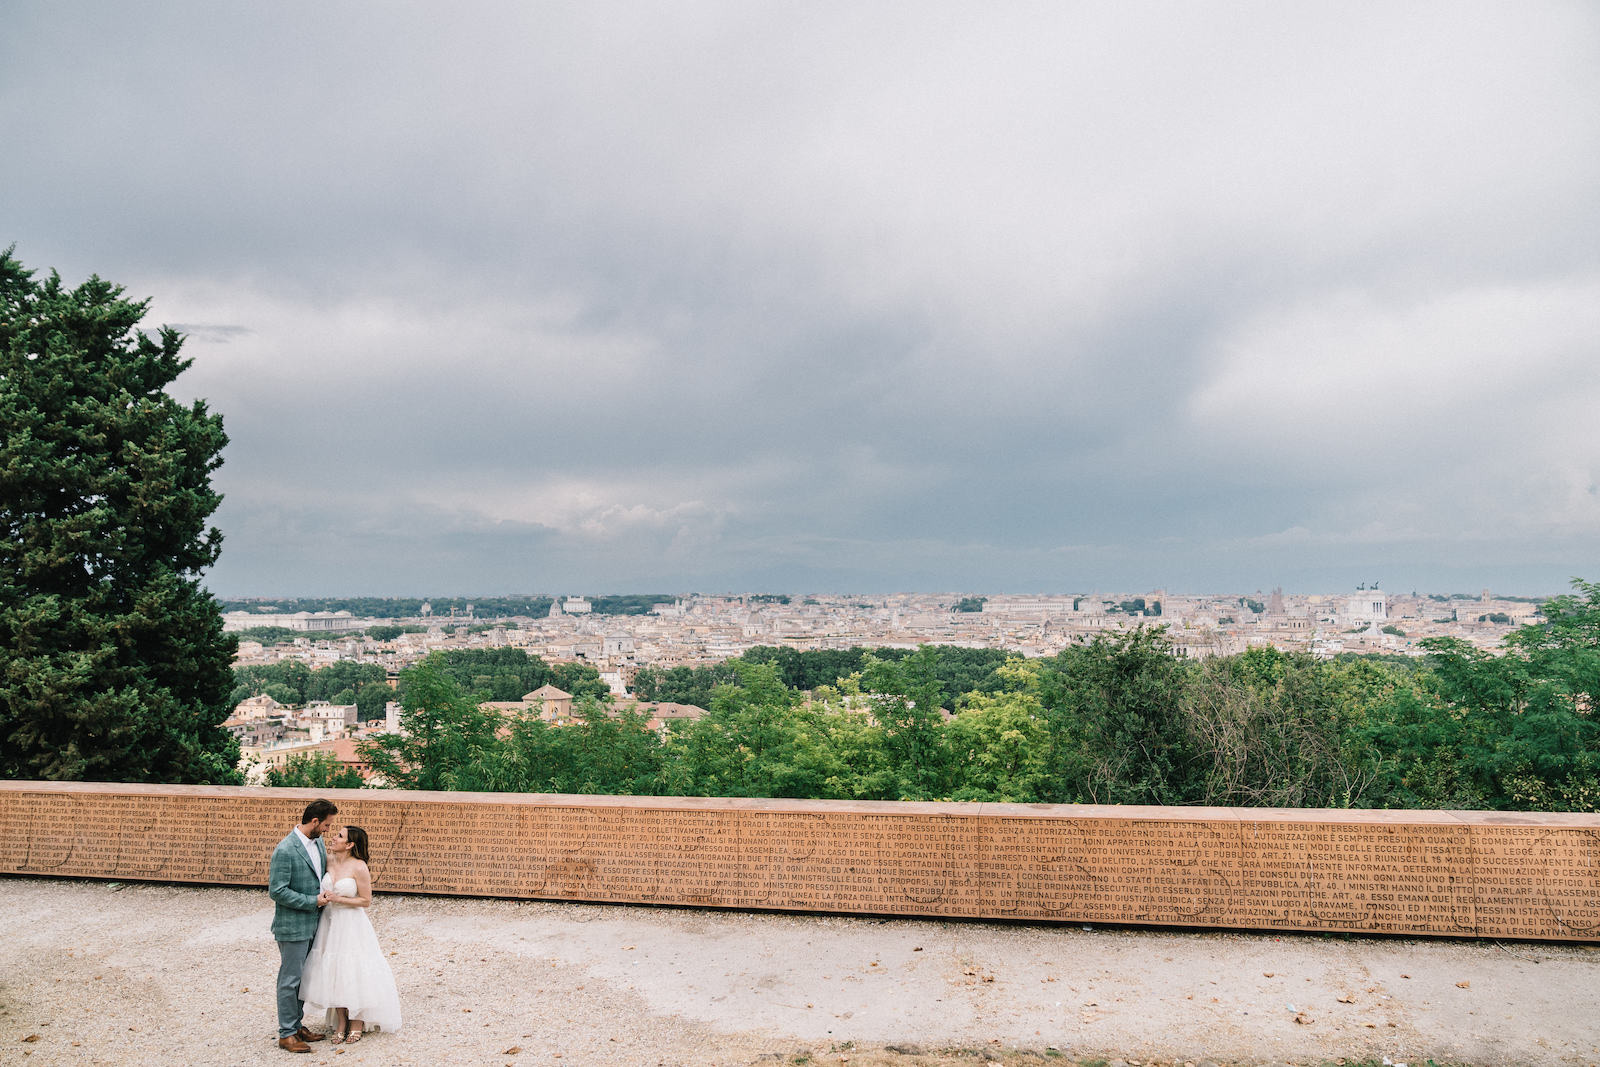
(358, 841)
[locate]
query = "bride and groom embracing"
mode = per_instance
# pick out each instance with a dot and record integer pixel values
(329, 959)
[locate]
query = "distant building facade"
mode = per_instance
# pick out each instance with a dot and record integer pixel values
(1367, 605)
(301, 621)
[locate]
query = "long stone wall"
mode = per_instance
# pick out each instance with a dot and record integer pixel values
(1458, 874)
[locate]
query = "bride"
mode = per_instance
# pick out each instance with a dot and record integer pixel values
(346, 975)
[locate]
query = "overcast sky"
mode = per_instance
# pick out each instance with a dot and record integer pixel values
(588, 298)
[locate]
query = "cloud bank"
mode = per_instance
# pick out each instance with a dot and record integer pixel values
(743, 296)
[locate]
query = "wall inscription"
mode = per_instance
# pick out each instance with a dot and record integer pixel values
(1460, 874)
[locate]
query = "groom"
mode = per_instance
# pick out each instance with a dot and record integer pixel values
(294, 882)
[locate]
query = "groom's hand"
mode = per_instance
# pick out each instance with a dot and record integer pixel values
(323, 897)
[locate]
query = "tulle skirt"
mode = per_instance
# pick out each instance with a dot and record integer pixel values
(346, 969)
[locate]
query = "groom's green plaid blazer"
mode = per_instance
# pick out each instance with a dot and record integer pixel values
(293, 885)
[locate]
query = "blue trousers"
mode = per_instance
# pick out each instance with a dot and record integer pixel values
(291, 962)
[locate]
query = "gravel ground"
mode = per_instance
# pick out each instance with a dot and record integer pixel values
(102, 973)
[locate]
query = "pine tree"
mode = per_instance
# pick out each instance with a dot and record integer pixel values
(113, 663)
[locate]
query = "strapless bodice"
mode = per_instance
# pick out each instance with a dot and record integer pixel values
(345, 887)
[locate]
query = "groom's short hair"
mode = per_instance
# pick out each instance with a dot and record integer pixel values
(318, 809)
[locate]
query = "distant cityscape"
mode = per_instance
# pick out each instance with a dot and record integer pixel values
(697, 630)
(691, 631)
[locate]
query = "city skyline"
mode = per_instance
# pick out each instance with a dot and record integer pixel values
(760, 595)
(902, 298)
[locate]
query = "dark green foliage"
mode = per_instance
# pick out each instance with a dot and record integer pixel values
(905, 696)
(371, 701)
(1117, 726)
(269, 635)
(760, 739)
(969, 604)
(684, 685)
(389, 633)
(451, 743)
(314, 770)
(1117, 720)
(113, 663)
(1565, 647)
(1405, 666)
(293, 674)
(741, 748)
(807, 670)
(958, 671)
(448, 741)
(292, 682)
(998, 748)
(1415, 745)
(579, 679)
(607, 752)
(283, 694)
(1135, 606)
(1526, 734)
(343, 677)
(601, 753)
(510, 673)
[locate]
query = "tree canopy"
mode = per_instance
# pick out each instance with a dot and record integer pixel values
(113, 662)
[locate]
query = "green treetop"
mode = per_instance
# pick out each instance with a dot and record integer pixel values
(113, 663)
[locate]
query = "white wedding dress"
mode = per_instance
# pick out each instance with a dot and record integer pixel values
(346, 968)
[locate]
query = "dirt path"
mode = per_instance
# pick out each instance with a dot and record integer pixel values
(146, 974)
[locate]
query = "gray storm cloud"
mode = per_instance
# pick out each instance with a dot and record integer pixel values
(907, 296)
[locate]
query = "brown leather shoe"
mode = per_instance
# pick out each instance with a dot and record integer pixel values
(305, 1034)
(293, 1044)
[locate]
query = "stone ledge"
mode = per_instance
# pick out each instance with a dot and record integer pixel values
(1454, 874)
